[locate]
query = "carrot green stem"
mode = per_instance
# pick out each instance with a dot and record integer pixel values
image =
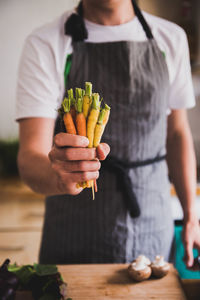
(78, 93)
(88, 89)
(101, 116)
(95, 101)
(106, 107)
(66, 105)
(70, 94)
(73, 101)
(79, 105)
(83, 92)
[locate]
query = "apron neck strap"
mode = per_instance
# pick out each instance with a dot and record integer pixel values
(75, 25)
(142, 20)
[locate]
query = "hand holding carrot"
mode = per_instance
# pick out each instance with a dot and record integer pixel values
(88, 120)
(73, 162)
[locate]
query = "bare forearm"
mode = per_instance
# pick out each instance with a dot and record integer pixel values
(182, 168)
(35, 169)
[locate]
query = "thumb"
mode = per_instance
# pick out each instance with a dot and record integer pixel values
(189, 254)
(102, 151)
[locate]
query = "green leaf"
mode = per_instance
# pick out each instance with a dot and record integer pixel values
(23, 273)
(13, 268)
(42, 270)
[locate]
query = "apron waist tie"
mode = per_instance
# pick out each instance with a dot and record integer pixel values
(121, 169)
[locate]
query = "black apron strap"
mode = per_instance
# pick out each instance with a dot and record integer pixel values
(124, 184)
(121, 169)
(142, 20)
(75, 25)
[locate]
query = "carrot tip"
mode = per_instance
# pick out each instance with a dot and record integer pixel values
(93, 192)
(95, 186)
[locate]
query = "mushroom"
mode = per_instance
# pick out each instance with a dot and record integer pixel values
(139, 269)
(159, 267)
(143, 258)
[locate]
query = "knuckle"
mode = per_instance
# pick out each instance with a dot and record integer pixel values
(98, 165)
(82, 166)
(54, 167)
(97, 175)
(90, 153)
(51, 156)
(84, 176)
(68, 155)
(56, 139)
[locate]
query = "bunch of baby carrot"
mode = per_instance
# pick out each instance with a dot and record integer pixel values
(83, 115)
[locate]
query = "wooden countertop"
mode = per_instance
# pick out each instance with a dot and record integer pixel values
(111, 281)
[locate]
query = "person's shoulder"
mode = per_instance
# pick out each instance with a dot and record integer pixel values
(51, 31)
(165, 30)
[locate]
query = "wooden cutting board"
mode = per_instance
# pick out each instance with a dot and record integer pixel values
(103, 282)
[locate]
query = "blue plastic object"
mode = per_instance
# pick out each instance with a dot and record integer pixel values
(179, 263)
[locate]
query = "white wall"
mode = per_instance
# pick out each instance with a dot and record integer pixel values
(17, 19)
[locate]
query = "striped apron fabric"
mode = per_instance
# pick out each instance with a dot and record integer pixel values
(133, 79)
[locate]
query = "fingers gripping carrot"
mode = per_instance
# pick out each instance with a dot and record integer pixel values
(82, 116)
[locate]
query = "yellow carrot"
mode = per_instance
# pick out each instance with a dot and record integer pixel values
(91, 123)
(101, 124)
(92, 118)
(107, 115)
(87, 99)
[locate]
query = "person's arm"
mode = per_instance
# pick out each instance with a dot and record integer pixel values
(182, 169)
(54, 165)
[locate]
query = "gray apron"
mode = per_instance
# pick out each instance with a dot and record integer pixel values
(133, 79)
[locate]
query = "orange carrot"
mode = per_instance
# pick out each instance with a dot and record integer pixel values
(81, 124)
(67, 118)
(73, 113)
(72, 106)
(95, 186)
(80, 118)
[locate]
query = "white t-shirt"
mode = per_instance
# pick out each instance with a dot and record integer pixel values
(40, 87)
